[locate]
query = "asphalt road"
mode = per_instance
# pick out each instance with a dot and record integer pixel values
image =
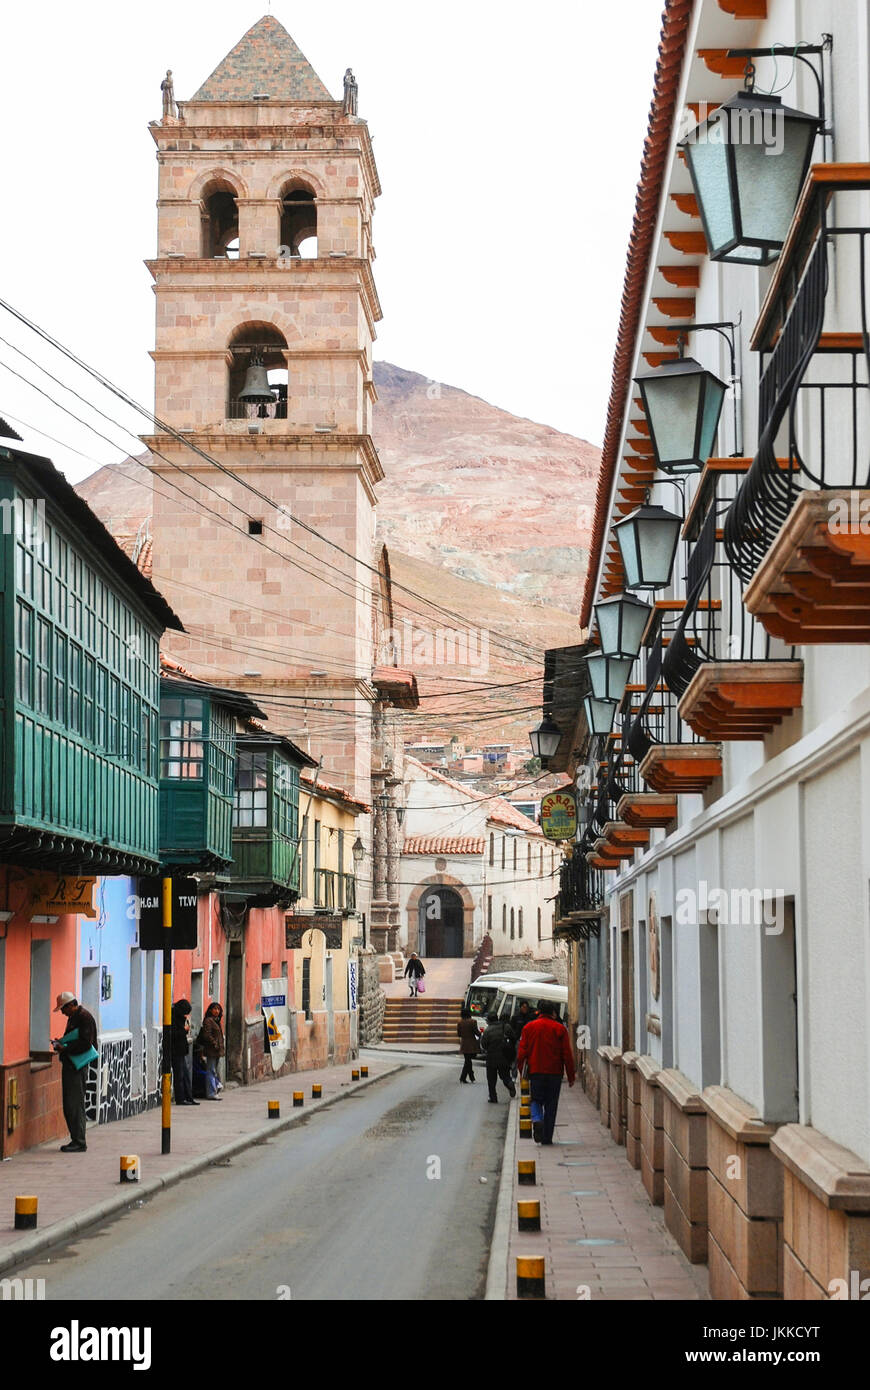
(377, 1197)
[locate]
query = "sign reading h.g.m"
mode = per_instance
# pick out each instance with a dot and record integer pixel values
(148, 906)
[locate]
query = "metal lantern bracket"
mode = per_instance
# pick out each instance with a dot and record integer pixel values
(728, 332)
(802, 52)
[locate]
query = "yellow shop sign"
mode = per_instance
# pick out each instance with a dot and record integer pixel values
(57, 894)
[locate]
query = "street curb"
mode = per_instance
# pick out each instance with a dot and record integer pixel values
(132, 1195)
(497, 1271)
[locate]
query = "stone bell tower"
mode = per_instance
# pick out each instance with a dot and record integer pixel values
(266, 312)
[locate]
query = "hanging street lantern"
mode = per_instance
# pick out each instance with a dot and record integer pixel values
(545, 739)
(358, 851)
(748, 162)
(599, 714)
(609, 675)
(648, 540)
(621, 624)
(683, 403)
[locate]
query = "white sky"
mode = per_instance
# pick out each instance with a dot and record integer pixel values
(508, 138)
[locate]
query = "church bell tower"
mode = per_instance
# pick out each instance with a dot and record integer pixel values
(266, 313)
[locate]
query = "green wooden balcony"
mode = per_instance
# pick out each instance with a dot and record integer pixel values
(265, 868)
(78, 682)
(198, 773)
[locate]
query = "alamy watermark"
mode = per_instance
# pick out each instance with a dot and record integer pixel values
(410, 647)
(850, 515)
(23, 517)
(732, 907)
(764, 127)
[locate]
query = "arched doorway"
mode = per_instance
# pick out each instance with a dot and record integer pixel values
(440, 922)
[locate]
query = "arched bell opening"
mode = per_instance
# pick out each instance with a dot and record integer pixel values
(299, 222)
(258, 379)
(220, 223)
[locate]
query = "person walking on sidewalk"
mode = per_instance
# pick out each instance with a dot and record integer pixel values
(469, 1043)
(210, 1045)
(181, 1074)
(76, 1049)
(545, 1047)
(414, 972)
(499, 1043)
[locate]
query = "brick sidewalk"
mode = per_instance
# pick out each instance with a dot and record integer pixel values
(74, 1189)
(588, 1191)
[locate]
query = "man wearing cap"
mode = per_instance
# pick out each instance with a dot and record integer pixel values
(76, 1048)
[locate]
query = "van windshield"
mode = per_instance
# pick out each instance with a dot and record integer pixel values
(479, 999)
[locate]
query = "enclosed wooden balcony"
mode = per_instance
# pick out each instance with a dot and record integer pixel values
(813, 585)
(682, 768)
(740, 701)
(266, 850)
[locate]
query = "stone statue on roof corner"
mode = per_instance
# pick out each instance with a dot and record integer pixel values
(350, 93)
(166, 87)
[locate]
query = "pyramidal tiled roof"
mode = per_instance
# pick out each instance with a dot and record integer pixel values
(265, 60)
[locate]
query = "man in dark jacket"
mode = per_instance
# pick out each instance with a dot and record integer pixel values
(74, 1048)
(181, 1074)
(498, 1042)
(545, 1046)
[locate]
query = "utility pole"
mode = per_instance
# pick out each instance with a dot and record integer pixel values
(166, 1100)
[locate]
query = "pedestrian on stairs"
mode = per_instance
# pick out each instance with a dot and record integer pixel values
(469, 1043)
(414, 972)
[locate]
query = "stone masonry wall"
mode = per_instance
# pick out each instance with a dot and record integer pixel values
(372, 1001)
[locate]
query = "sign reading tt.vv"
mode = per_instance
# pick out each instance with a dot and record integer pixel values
(149, 900)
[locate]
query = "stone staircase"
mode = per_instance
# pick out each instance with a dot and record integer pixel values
(421, 1020)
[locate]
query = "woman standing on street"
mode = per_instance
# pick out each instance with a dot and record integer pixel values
(469, 1046)
(210, 1045)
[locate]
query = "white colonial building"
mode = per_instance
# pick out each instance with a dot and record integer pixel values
(472, 864)
(727, 985)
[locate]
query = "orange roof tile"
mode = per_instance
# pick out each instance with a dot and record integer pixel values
(444, 844)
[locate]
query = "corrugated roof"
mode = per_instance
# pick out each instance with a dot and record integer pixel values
(444, 844)
(265, 61)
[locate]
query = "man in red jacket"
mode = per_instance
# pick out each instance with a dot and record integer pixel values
(544, 1045)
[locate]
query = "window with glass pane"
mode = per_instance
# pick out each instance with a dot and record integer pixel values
(43, 667)
(251, 806)
(181, 739)
(23, 653)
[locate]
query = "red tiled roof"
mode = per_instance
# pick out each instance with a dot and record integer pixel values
(174, 667)
(265, 60)
(499, 811)
(675, 28)
(330, 789)
(444, 844)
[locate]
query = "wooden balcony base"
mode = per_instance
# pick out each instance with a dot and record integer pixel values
(647, 810)
(612, 854)
(741, 701)
(684, 768)
(597, 861)
(623, 836)
(813, 585)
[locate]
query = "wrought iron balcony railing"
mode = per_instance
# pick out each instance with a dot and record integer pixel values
(581, 888)
(814, 400)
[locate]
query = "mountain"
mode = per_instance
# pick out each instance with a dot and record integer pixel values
(485, 494)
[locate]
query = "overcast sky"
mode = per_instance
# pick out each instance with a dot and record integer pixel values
(508, 138)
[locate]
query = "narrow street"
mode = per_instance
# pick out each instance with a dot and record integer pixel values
(341, 1207)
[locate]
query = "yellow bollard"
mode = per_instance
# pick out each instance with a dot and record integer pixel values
(530, 1277)
(25, 1213)
(354, 1076)
(273, 1109)
(525, 1088)
(363, 1071)
(525, 1129)
(129, 1168)
(528, 1216)
(298, 1098)
(526, 1175)
(316, 1090)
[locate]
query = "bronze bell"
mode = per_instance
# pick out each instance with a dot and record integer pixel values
(256, 390)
